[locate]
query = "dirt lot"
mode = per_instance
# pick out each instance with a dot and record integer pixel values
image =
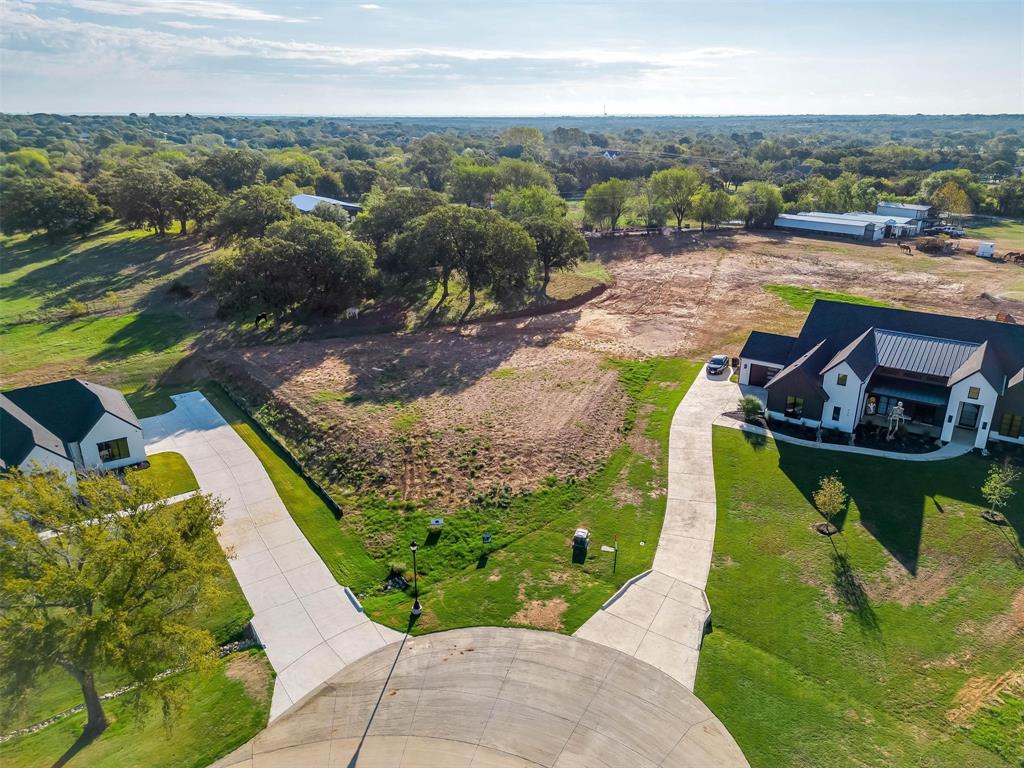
(451, 411)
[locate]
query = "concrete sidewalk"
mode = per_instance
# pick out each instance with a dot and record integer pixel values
(659, 617)
(311, 626)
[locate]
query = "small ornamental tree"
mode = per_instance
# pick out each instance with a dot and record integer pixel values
(114, 588)
(751, 406)
(998, 487)
(830, 499)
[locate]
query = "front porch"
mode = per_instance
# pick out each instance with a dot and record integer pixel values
(924, 407)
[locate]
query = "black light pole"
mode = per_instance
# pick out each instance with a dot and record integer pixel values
(416, 608)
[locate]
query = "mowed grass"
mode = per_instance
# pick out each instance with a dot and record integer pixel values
(169, 473)
(1007, 234)
(869, 658)
(219, 713)
(803, 298)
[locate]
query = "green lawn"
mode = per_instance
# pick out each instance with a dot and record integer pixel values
(803, 298)
(528, 563)
(219, 713)
(1007, 234)
(170, 474)
(113, 268)
(819, 660)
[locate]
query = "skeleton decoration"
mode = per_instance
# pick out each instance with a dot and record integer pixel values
(896, 419)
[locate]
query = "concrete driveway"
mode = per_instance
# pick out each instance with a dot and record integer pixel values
(495, 698)
(311, 626)
(659, 617)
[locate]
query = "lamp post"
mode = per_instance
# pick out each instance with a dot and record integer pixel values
(416, 608)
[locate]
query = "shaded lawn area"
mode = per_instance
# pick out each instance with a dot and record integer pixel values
(868, 658)
(169, 473)
(518, 578)
(802, 299)
(40, 275)
(126, 351)
(225, 617)
(219, 713)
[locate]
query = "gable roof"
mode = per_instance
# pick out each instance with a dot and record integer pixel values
(768, 347)
(805, 367)
(70, 408)
(20, 434)
(839, 324)
(307, 203)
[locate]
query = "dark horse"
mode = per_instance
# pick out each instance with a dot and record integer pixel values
(262, 317)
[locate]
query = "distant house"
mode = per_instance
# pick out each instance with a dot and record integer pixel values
(910, 210)
(307, 203)
(70, 425)
(851, 364)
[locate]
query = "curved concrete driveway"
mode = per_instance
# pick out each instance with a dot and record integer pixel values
(495, 698)
(310, 626)
(659, 617)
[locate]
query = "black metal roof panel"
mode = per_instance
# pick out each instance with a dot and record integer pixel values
(917, 353)
(768, 347)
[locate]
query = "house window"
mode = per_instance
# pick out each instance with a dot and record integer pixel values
(794, 406)
(112, 450)
(974, 393)
(841, 379)
(1010, 426)
(836, 412)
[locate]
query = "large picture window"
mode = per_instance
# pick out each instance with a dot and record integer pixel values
(794, 406)
(1010, 425)
(112, 450)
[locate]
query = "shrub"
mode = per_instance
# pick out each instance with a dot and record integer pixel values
(180, 290)
(76, 308)
(751, 407)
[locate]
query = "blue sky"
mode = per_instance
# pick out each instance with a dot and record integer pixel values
(521, 57)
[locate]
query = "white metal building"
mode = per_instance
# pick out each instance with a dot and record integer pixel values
(307, 203)
(891, 226)
(836, 225)
(909, 210)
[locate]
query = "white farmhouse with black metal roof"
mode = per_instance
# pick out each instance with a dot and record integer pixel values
(851, 364)
(69, 425)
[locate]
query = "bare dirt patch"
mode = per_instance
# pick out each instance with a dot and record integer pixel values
(253, 672)
(978, 691)
(451, 413)
(1010, 623)
(542, 614)
(896, 585)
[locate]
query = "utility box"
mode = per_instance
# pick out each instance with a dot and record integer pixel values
(581, 539)
(986, 250)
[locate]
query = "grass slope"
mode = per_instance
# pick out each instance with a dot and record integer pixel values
(1007, 234)
(528, 563)
(803, 298)
(219, 713)
(864, 660)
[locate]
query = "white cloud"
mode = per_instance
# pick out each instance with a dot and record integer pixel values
(203, 9)
(185, 25)
(370, 7)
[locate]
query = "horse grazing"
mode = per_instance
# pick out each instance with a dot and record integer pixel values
(262, 317)
(352, 313)
(906, 249)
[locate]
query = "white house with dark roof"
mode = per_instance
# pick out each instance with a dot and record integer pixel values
(851, 364)
(70, 425)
